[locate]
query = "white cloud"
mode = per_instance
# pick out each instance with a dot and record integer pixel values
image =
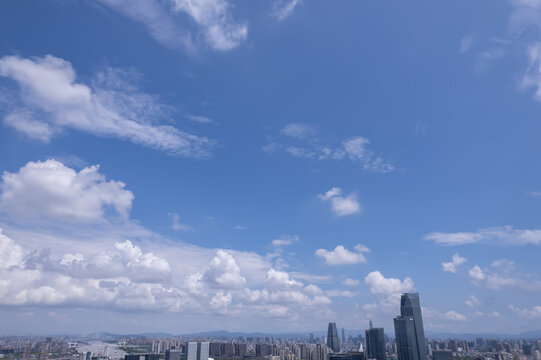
(53, 100)
(534, 312)
(199, 119)
(453, 264)
(342, 256)
(221, 32)
(285, 240)
(176, 224)
(299, 131)
(282, 9)
(223, 271)
(437, 315)
(500, 277)
(386, 286)
(239, 227)
(159, 22)
(51, 190)
(308, 146)
(340, 205)
(221, 301)
(503, 235)
(476, 273)
(276, 278)
(11, 254)
(351, 282)
(472, 301)
(453, 315)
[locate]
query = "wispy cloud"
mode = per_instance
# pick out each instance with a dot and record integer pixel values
(176, 224)
(301, 141)
(213, 18)
(503, 235)
(51, 100)
(282, 9)
(160, 23)
(199, 119)
(220, 31)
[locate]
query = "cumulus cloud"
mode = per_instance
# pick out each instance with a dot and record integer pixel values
(214, 17)
(282, 9)
(503, 235)
(381, 285)
(224, 272)
(49, 189)
(342, 256)
(453, 264)
(276, 278)
(476, 273)
(341, 205)
(51, 100)
(11, 254)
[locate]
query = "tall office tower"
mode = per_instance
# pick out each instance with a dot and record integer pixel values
(370, 324)
(203, 351)
(406, 343)
(333, 342)
(241, 350)
(375, 344)
(190, 350)
(343, 336)
(409, 331)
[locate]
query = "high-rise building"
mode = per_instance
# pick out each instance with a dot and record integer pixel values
(203, 351)
(333, 342)
(375, 344)
(190, 350)
(409, 331)
(343, 336)
(241, 350)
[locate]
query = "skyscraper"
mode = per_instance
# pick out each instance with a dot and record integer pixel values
(333, 342)
(409, 331)
(375, 344)
(190, 350)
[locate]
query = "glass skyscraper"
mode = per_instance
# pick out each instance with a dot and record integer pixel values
(333, 342)
(375, 344)
(409, 331)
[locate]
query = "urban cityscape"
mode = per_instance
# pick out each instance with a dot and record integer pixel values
(407, 343)
(270, 180)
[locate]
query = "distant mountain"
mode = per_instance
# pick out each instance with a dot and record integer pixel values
(535, 334)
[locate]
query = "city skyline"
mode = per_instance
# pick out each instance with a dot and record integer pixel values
(185, 166)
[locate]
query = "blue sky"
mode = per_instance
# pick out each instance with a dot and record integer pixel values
(176, 165)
